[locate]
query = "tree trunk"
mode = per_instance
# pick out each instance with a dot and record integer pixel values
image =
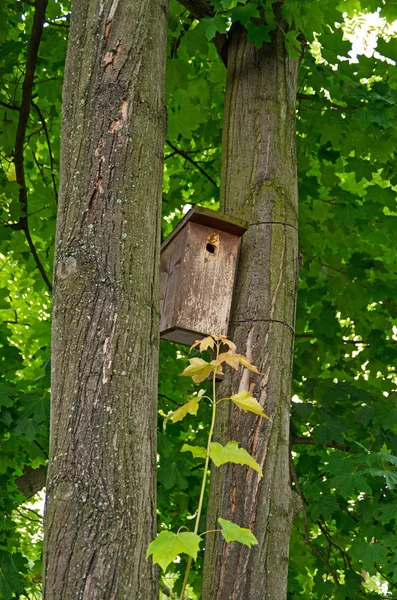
(101, 502)
(259, 185)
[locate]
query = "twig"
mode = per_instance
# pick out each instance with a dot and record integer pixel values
(390, 581)
(186, 156)
(352, 342)
(10, 106)
(39, 167)
(355, 280)
(331, 104)
(24, 112)
(42, 119)
(345, 556)
(310, 442)
(307, 539)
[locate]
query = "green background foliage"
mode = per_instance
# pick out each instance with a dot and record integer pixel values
(344, 418)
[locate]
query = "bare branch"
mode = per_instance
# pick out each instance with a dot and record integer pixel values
(308, 541)
(24, 112)
(310, 442)
(313, 97)
(32, 481)
(10, 106)
(42, 119)
(186, 156)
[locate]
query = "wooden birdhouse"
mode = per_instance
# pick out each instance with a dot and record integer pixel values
(198, 270)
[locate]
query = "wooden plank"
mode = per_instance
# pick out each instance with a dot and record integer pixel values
(170, 274)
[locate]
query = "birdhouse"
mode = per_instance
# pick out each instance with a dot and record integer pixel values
(198, 270)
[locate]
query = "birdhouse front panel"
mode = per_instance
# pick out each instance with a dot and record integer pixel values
(207, 288)
(198, 269)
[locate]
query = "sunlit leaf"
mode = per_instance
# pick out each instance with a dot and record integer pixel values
(247, 402)
(190, 408)
(204, 344)
(232, 453)
(167, 546)
(234, 533)
(197, 451)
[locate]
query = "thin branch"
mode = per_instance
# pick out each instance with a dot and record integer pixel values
(38, 520)
(32, 481)
(168, 398)
(66, 25)
(39, 167)
(312, 97)
(325, 265)
(351, 342)
(47, 136)
(310, 442)
(389, 581)
(24, 112)
(186, 156)
(307, 539)
(344, 554)
(10, 106)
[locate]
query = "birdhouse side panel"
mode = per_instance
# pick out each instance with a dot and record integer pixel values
(207, 280)
(170, 273)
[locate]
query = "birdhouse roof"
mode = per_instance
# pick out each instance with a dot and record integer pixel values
(210, 218)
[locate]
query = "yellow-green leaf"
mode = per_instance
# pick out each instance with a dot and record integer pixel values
(197, 451)
(205, 343)
(224, 340)
(232, 453)
(234, 360)
(198, 370)
(167, 546)
(247, 363)
(245, 401)
(216, 366)
(230, 359)
(190, 407)
(234, 533)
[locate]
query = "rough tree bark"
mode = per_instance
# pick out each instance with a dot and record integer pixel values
(101, 502)
(259, 185)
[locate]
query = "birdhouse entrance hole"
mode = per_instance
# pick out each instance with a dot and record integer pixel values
(210, 248)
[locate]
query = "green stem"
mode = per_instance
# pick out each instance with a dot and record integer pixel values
(207, 459)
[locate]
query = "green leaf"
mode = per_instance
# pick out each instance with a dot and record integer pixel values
(258, 34)
(234, 533)
(244, 14)
(197, 451)
(292, 44)
(213, 25)
(167, 546)
(11, 581)
(388, 457)
(190, 408)
(390, 476)
(232, 453)
(247, 402)
(368, 554)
